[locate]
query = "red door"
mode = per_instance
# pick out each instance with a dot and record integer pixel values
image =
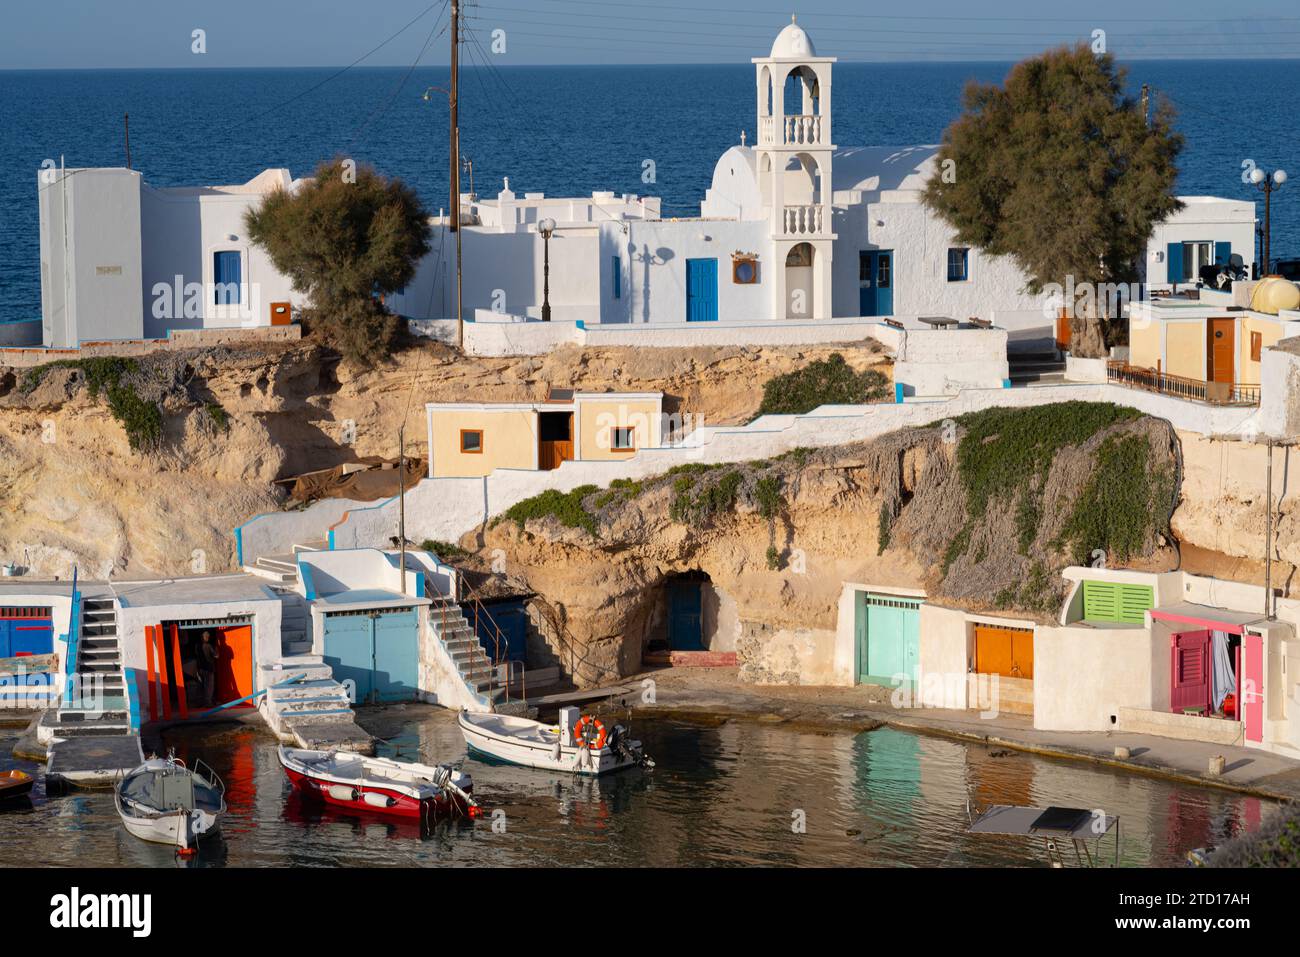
(1252, 688)
(1189, 680)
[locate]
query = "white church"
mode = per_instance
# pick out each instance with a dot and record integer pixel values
(793, 229)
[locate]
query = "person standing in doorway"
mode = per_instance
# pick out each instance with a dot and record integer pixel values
(208, 667)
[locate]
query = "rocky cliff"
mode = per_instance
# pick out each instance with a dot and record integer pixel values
(232, 419)
(982, 511)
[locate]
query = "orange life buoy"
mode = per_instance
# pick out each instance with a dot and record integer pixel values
(579, 731)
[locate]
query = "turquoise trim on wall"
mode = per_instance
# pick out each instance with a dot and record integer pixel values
(133, 698)
(239, 545)
(304, 572)
(898, 393)
(1006, 383)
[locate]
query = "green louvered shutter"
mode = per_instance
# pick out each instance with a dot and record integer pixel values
(1111, 601)
(1134, 600)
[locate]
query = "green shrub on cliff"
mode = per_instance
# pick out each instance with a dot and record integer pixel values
(830, 381)
(564, 507)
(107, 375)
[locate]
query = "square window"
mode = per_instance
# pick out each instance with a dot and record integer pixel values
(227, 270)
(623, 439)
(958, 264)
(471, 441)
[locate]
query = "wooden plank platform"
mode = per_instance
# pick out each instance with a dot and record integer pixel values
(582, 696)
(92, 760)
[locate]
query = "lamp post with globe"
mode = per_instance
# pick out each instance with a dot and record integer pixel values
(1267, 184)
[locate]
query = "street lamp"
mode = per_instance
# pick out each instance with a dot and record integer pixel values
(1267, 184)
(546, 227)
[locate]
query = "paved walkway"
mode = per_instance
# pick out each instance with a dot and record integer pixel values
(712, 693)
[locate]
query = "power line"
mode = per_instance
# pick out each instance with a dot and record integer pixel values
(339, 73)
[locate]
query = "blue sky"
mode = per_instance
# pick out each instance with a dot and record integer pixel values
(44, 34)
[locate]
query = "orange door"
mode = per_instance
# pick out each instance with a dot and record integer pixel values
(1004, 651)
(1063, 330)
(234, 678)
(1219, 351)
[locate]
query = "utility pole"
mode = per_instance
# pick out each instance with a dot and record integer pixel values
(1268, 536)
(401, 502)
(455, 159)
(126, 123)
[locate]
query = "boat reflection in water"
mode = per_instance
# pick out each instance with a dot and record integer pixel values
(723, 793)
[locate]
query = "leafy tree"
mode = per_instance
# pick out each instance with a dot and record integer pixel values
(345, 238)
(1059, 170)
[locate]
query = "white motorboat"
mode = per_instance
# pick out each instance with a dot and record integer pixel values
(577, 745)
(165, 802)
(382, 785)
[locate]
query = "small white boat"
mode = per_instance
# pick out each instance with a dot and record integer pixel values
(381, 785)
(165, 802)
(576, 745)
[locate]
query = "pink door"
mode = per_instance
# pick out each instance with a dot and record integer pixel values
(1189, 680)
(1252, 688)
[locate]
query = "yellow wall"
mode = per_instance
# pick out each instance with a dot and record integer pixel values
(1144, 343)
(509, 441)
(1185, 349)
(1270, 331)
(596, 417)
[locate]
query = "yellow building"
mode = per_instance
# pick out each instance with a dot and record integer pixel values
(469, 439)
(1208, 348)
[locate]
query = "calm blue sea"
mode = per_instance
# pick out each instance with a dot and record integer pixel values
(559, 130)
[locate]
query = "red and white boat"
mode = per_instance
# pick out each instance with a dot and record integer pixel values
(380, 785)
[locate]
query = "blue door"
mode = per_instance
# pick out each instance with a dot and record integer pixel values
(685, 626)
(378, 652)
(876, 282)
(512, 620)
(701, 290)
(22, 633)
(397, 655)
(350, 652)
(226, 277)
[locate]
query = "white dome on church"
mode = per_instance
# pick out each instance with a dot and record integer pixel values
(792, 43)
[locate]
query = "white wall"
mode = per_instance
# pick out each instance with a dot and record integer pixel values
(90, 271)
(1202, 219)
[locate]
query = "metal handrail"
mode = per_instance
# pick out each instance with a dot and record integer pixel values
(496, 635)
(74, 642)
(1182, 387)
(559, 633)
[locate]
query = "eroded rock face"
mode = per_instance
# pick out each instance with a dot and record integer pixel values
(73, 491)
(608, 589)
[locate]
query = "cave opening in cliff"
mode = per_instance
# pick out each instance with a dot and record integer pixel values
(684, 616)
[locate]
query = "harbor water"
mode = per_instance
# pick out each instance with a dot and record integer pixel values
(727, 793)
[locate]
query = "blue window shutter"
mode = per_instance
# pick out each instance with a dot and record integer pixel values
(618, 278)
(1222, 254)
(1174, 260)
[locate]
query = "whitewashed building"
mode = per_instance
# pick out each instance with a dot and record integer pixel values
(794, 228)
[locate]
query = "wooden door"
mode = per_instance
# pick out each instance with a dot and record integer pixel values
(1219, 350)
(1252, 687)
(1189, 678)
(234, 666)
(1004, 651)
(555, 442)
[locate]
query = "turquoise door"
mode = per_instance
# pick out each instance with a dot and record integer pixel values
(378, 652)
(350, 652)
(701, 290)
(397, 655)
(876, 282)
(888, 633)
(685, 628)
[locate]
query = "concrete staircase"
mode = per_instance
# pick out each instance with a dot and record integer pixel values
(1036, 368)
(295, 623)
(97, 703)
(89, 736)
(475, 668)
(314, 712)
